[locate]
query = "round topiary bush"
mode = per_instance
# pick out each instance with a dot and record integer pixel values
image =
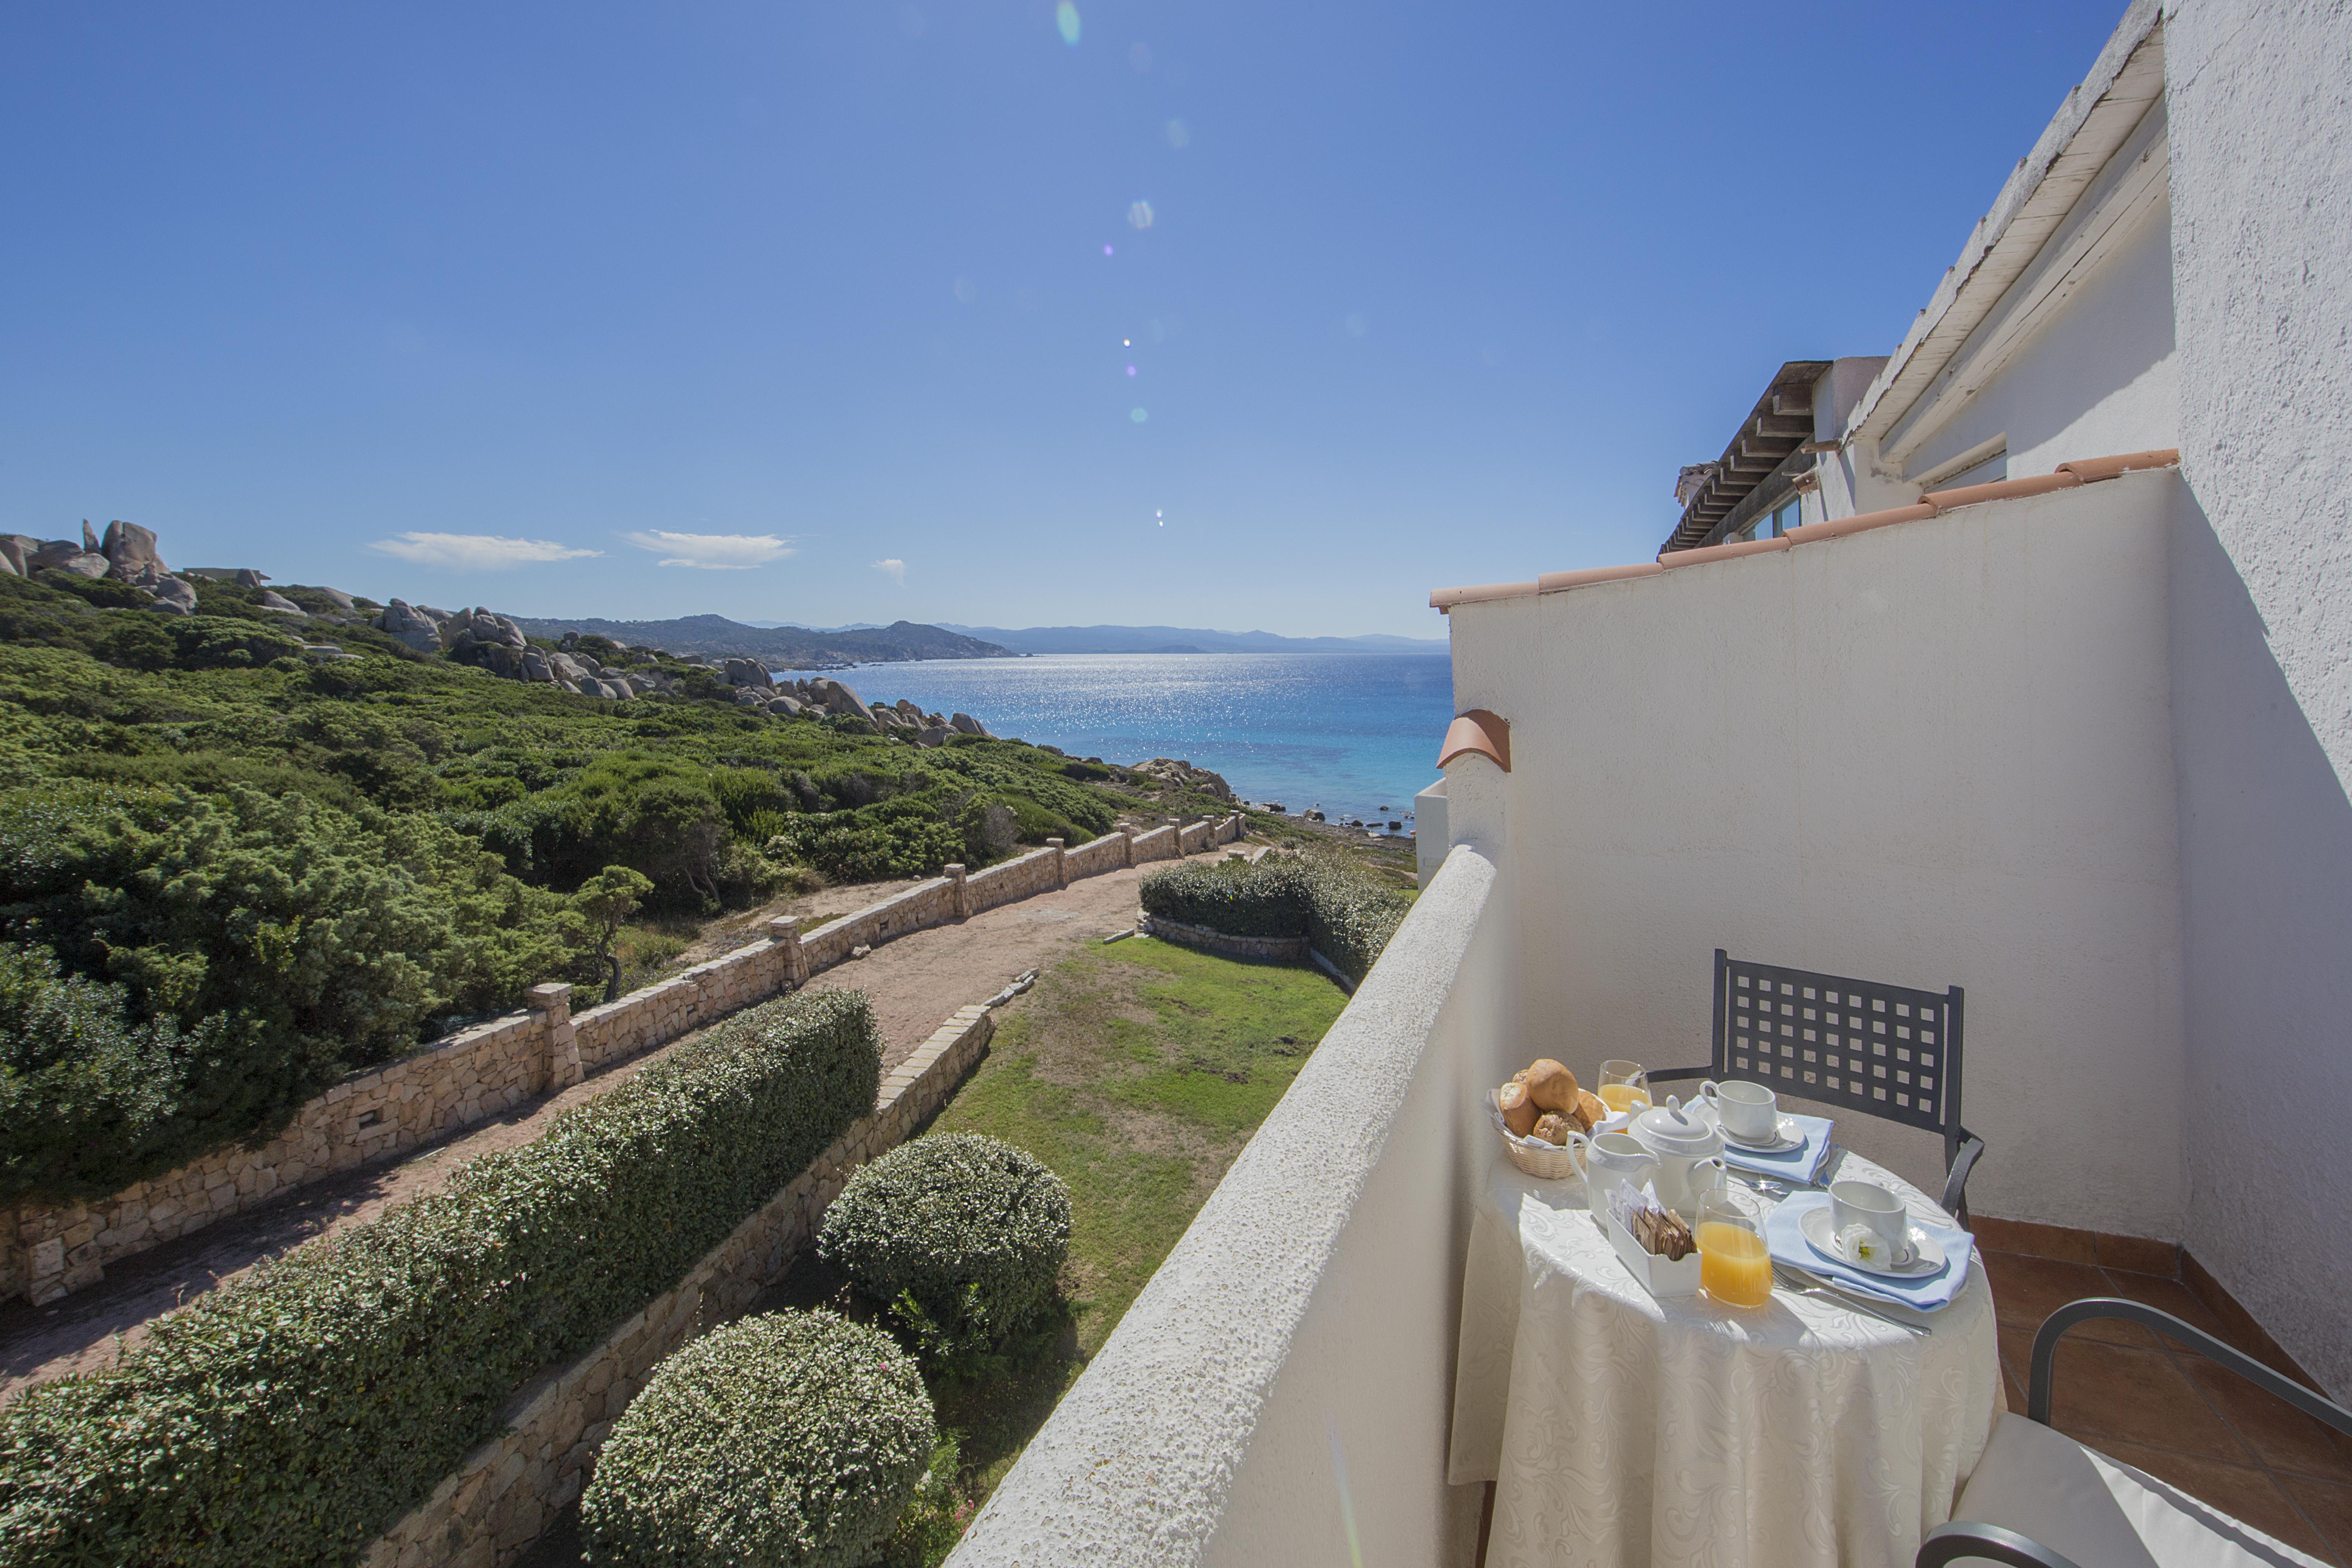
(792, 1438)
(961, 1235)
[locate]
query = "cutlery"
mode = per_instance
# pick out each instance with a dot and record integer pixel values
(1798, 1283)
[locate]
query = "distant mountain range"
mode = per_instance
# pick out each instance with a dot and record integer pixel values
(1184, 639)
(716, 636)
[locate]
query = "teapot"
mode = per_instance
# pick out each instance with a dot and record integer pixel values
(1689, 1152)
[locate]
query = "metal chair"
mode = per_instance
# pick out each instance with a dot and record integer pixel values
(1884, 1050)
(1979, 1538)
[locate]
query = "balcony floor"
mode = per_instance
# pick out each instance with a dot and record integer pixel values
(2162, 1408)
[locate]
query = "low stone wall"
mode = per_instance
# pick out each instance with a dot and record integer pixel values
(49, 1250)
(1282, 949)
(511, 1488)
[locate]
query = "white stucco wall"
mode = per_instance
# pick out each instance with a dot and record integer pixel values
(2261, 101)
(1280, 1391)
(2100, 378)
(1934, 754)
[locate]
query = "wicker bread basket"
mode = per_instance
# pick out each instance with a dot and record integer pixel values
(1544, 1161)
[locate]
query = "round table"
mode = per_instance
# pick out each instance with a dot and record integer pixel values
(1621, 1429)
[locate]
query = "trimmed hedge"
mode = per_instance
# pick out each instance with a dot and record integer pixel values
(290, 1418)
(962, 1235)
(790, 1440)
(1345, 913)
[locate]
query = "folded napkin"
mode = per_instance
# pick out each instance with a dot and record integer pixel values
(1802, 1164)
(1921, 1292)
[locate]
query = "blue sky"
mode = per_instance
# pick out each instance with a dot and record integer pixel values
(826, 312)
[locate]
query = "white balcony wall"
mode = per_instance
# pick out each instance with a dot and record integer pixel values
(2260, 99)
(1280, 1391)
(1937, 754)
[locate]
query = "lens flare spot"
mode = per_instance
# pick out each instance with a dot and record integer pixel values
(1066, 19)
(966, 290)
(1139, 216)
(1106, 250)
(1130, 369)
(1138, 415)
(1180, 135)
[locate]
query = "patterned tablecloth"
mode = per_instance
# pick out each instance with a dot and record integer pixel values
(1623, 1430)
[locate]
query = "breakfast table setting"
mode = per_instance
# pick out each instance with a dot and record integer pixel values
(1705, 1333)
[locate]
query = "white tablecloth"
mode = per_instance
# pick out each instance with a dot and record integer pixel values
(1623, 1430)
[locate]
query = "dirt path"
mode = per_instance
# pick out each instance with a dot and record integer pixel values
(914, 980)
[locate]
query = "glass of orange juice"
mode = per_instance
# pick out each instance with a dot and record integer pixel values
(1734, 1266)
(1624, 1086)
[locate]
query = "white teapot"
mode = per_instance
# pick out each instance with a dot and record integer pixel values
(1689, 1152)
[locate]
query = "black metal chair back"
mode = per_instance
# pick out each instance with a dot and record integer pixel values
(1889, 1051)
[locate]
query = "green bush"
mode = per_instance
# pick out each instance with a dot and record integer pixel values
(289, 941)
(894, 838)
(90, 1102)
(790, 1440)
(289, 1416)
(1345, 913)
(962, 1235)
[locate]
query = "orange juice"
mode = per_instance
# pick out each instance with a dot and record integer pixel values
(1620, 1097)
(1733, 1265)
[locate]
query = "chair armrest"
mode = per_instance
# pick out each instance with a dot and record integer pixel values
(1956, 1180)
(1967, 1539)
(2055, 1326)
(1678, 1075)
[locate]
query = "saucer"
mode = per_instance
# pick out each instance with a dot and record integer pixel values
(1785, 1137)
(1820, 1235)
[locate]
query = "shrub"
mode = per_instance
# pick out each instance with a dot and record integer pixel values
(790, 1440)
(893, 838)
(300, 939)
(288, 1417)
(90, 1102)
(962, 1235)
(1345, 913)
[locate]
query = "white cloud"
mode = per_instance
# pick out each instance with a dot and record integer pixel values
(712, 551)
(475, 552)
(893, 569)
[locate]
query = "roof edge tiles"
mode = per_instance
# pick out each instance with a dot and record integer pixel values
(2065, 476)
(1479, 731)
(1671, 559)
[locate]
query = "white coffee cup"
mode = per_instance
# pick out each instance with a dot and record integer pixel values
(1873, 1207)
(1608, 1158)
(1748, 1112)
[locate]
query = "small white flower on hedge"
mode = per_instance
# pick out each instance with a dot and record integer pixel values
(962, 1234)
(792, 1438)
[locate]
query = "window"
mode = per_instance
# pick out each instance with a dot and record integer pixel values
(1771, 525)
(1983, 472)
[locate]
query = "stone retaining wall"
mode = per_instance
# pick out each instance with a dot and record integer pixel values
(1283, 949)
(49, 1250)
(511, 1488)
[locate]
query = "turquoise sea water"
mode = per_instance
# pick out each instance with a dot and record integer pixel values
(1356, 732)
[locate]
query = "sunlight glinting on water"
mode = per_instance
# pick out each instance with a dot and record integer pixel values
(1355, 732)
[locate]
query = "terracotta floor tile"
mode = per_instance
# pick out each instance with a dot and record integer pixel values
(2137, 1396)
(2282, 1436)
(2138, 1254)
(2027, 1290)
(2242, 1492)
(2167, 1296)
(2031, 1240)
(2330, 1508)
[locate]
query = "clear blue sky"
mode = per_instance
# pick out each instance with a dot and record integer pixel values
(818, 296)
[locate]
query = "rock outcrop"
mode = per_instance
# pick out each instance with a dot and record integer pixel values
(1184, 775)
(278, 604)
(420, 629)
(173, 596)
(129, 552)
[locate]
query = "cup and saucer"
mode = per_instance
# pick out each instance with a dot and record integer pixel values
(1866, 1226)
(1749, 1117)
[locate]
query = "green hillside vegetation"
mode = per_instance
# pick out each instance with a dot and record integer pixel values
(258, 870)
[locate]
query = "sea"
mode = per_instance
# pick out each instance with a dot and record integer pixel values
(1356, 734)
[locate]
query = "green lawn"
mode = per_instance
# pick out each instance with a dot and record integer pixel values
(1137, 1071)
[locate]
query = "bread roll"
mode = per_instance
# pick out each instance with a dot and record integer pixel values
(1591, 1110)
(1519, 1113)
(1552, 1085)
(1553, 1128)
